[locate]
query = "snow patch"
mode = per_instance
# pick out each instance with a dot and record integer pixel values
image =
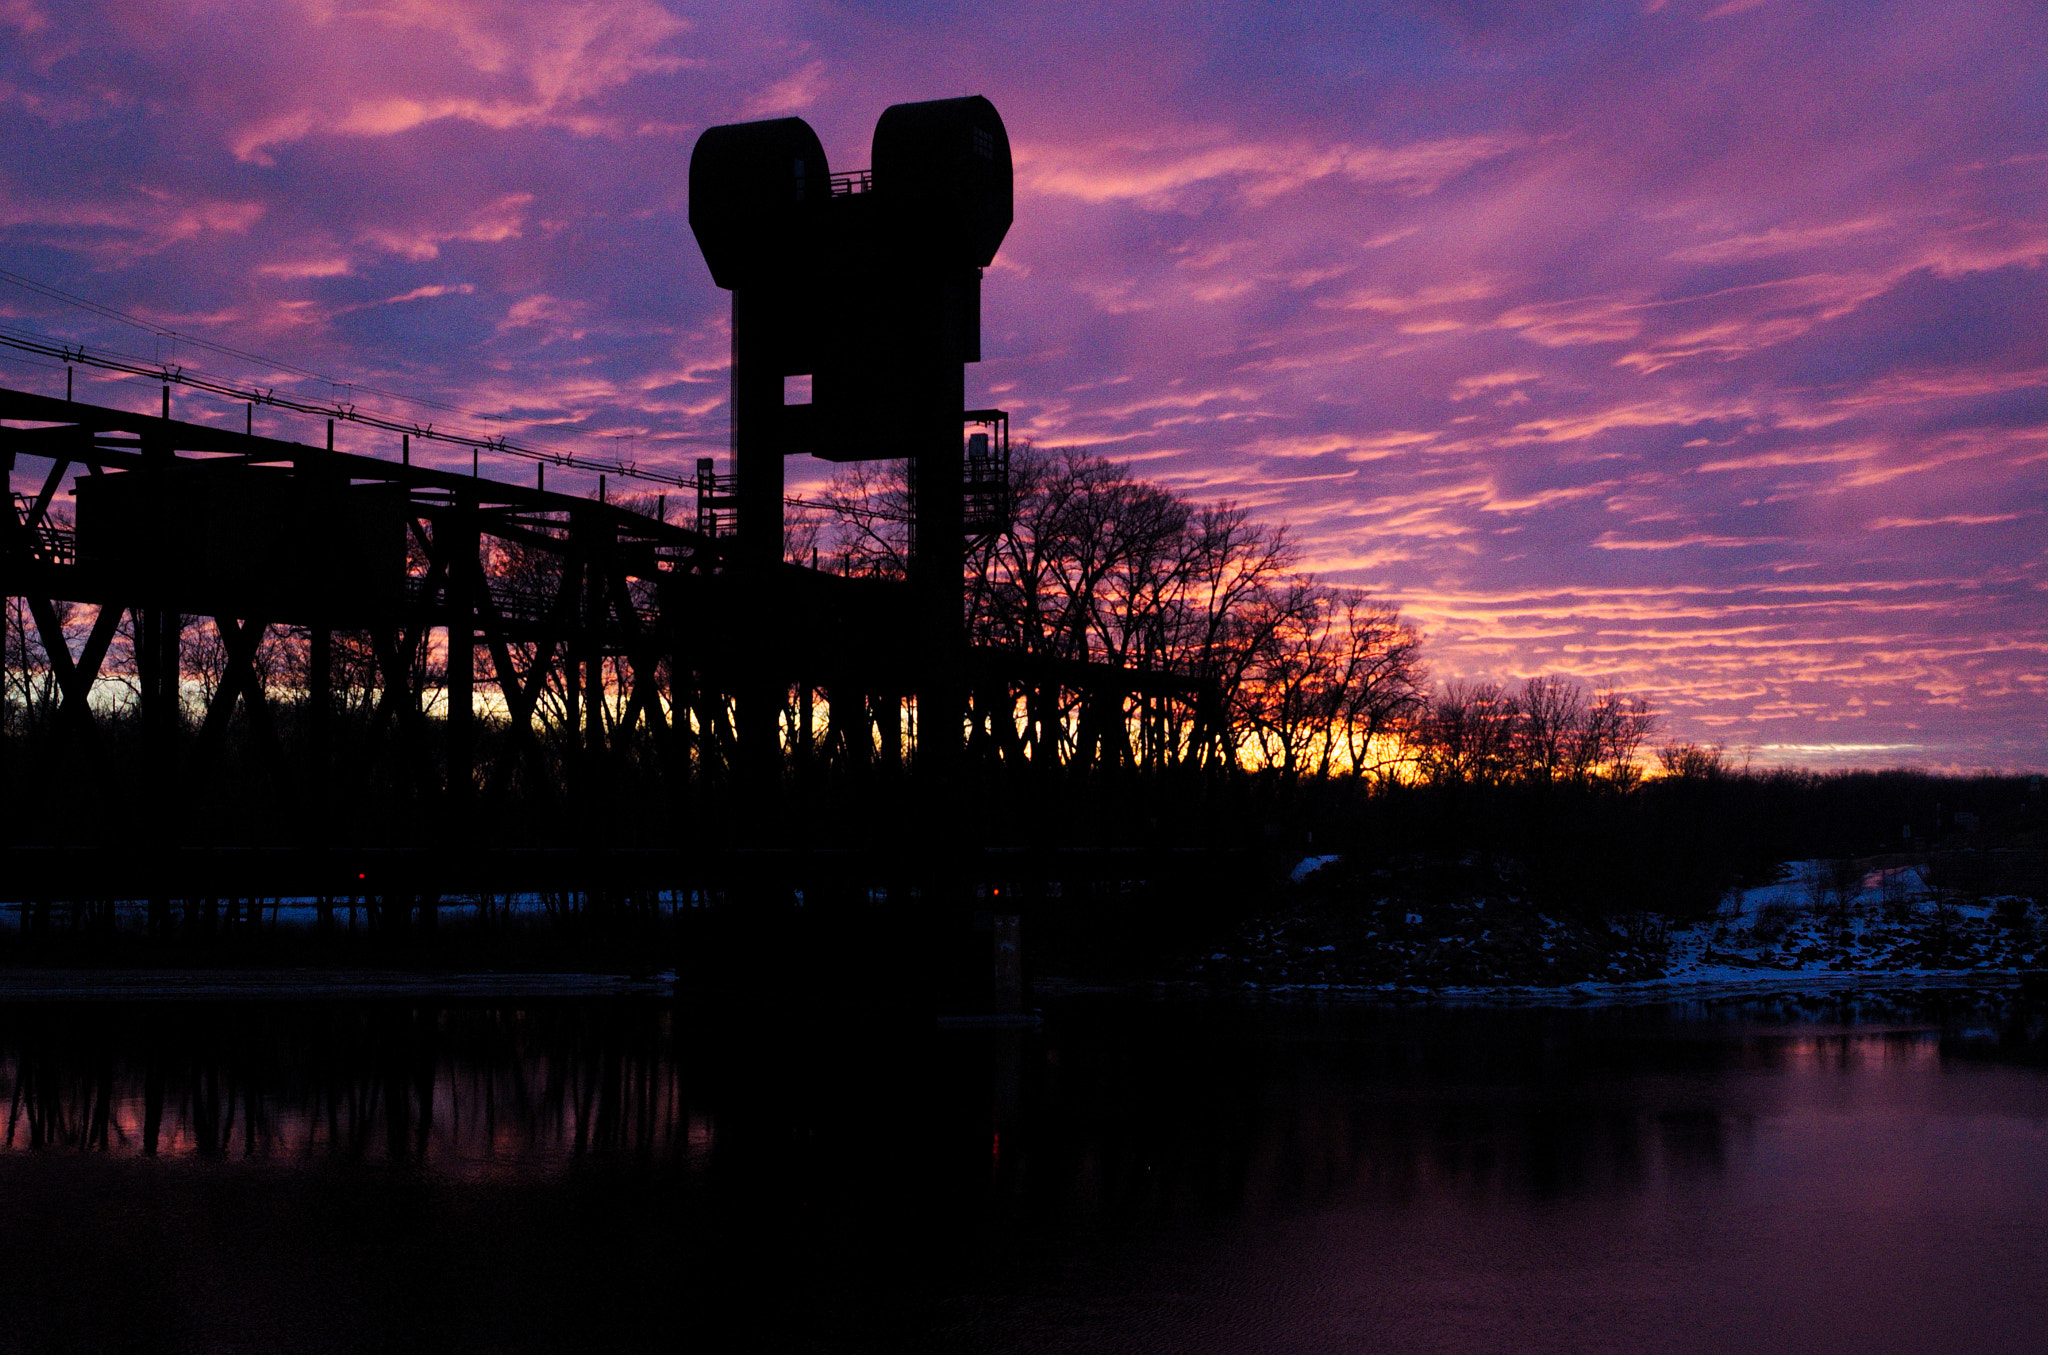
(1309, 865)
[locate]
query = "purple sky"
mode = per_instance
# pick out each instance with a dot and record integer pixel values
(1695, 347)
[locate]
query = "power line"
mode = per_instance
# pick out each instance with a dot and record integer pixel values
(58, 294)
(13, 336)
(27, 341)
(112, 360)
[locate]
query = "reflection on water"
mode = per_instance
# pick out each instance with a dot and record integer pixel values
(610, 1174)
(1296, 1181)
(460, 1088)
(628, 1174)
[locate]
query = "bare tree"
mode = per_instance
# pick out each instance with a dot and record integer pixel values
(31, 677)
(868, 504)
(1284, 697)
(1103, 567)
(1547, 732)
(204, 659)
(1617, 724)
(1384, 684)
(801, 534)
(1552, 741)
(1231, 559)
(1692, 762)
(1467, 735)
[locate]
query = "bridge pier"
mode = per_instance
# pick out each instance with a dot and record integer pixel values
(459, 554)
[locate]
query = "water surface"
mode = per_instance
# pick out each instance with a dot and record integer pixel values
(641, 1174)
(1490, 1181)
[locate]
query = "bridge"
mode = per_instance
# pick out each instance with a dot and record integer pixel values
(532, 669)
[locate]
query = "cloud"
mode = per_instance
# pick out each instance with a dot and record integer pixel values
(493, 223)
(1680, 355)
(502, 68)
(1776, 241)
(791, 94)
(1611, 541)
(25, 16)
(1425, 298)
(1560, 324)
(1583, 424)
(1947, 520)
(1157, 173)
(424, 293)
(551, 317)
(1466, 387)
(330, 266)
(136, 224)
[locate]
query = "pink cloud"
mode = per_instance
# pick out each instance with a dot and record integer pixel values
(1683, 355)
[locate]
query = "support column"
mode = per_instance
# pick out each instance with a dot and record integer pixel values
(158, 635)
(459, 557)
(1009, 963)
(804, 733)
(316, 734)
(680, 704)
(938, 561)
(757, 462)
(592, 539)
(938, 602)
(8, 535)
(319, 756)
(594, 600)
(570, 648)
(319, 720)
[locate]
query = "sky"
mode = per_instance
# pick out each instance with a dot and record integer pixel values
(1696, 348)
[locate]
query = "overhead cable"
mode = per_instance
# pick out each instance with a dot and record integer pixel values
(29, 341)
(338, 410)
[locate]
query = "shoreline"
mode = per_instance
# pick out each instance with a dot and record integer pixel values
(166, 985)
(1834, 986)
(158, 985)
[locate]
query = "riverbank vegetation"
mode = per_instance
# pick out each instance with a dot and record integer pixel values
(1703, 870)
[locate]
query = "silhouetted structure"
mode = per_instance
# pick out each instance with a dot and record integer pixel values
(691, 650)
(856, 306)
(176, 520)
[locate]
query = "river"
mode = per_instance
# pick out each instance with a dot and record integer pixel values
(643, 1173)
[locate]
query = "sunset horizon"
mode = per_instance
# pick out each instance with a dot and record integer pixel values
(1663, 348)
(896, 675)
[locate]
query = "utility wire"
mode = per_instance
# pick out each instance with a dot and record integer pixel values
(107, 312)
(13, 337)
(337, 409)
(27, 340)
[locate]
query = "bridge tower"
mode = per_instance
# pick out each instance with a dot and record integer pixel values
(856, 307)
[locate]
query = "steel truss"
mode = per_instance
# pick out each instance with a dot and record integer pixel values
(631, 626)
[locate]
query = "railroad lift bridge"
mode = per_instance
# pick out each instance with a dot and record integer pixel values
(855, 310)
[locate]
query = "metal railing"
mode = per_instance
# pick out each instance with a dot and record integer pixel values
(48, 543)
(985, 508)
(524, 604)
(718, 505)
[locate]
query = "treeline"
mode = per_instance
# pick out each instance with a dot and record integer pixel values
(1324, 707)
(1676, 841)
(1316, 681)
(1303, 682)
